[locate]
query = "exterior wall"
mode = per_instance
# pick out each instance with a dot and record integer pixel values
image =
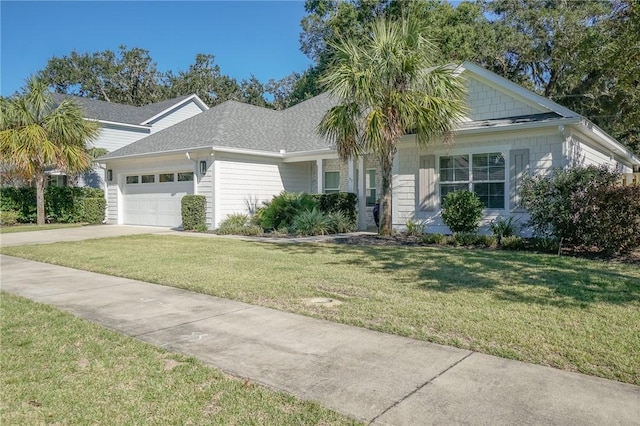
(186, 111)
(112, 137)
(581, 152)
(486, 102)
(545, 153)
(245, 182)
(121, 168)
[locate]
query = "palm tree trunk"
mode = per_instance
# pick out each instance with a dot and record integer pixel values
(40, 198)
(386, 164)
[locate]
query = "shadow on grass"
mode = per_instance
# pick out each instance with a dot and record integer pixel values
(514, 276)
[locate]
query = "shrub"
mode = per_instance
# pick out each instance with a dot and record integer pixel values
(512, 243)
(62, 203)
(339, 222)
(8, 217)
(461, 211)
(311, 222)
(584, 207)
(194, 212)
(345, 202)
(501, 227)
(238, 224)
(471, 239)
(93, 210)
(545, 245)
(283, 208)
(433, 239)
(20, 200)
(414, 228)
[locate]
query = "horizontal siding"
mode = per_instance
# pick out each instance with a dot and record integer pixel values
(112, 202)
(545, 153)
(115, 137)
(186, 111)
(585, 154)
(486, 102)
(249, 181)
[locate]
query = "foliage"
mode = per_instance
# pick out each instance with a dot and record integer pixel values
(282, 209)
(37, 135)
(311, 222)
(543, 245)
(584, 206)
(62, 204)
(388, 84)
(433, 239)
(501, 227)
(339, 222)
(466, 239)
(414, 228)
(93, 210)
(193, 212)
(461, 211)
(128, 76)
(238, 224)
(344, 202)
(512, 243)
(8, 217)
(567, 51)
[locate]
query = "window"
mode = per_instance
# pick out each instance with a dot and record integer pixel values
(370, 182)
(185, 177)
(331, 182)
(483, 174)
(148, 178)
(166, 177)
(132, 179)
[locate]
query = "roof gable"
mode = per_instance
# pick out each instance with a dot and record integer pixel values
(489, 89)
(126, 114)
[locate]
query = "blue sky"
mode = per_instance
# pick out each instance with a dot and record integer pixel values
(259, 37)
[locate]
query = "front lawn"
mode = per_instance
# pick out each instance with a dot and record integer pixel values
(28, 227)
(574, 314)
(58, 369)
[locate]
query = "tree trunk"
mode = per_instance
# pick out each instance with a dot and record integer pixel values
(386, 164)
(40, 198)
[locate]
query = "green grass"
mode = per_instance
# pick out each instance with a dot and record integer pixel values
(28, 227)
(58, 369)
(573, 314)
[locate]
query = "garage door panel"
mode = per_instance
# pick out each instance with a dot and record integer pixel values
(155, 204)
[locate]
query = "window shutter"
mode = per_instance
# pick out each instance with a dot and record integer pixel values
(518, 169)
(427, 199)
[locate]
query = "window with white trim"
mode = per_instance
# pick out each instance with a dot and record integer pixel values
(371, 191)
(483, 174)
(331, 182)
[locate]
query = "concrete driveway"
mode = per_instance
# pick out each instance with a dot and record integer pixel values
(76, 234)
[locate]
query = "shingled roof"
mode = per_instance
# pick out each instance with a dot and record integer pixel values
(237, 125)
(119, 113)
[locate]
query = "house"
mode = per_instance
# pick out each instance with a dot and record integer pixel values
(239, 155)
(121, 125)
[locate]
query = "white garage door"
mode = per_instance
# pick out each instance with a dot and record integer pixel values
(154, 199)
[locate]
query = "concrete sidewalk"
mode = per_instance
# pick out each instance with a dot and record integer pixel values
(371, 376)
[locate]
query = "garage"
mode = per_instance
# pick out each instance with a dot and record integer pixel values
(154, 199)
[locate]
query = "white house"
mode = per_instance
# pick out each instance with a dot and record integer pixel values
(239, 155)
(121, 124)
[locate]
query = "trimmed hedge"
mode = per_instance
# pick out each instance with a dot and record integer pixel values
(194, 212)
(93, 210)
(62, 203)
(345, 202)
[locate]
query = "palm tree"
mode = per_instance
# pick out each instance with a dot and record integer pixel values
(387, 86)
(37, 135)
